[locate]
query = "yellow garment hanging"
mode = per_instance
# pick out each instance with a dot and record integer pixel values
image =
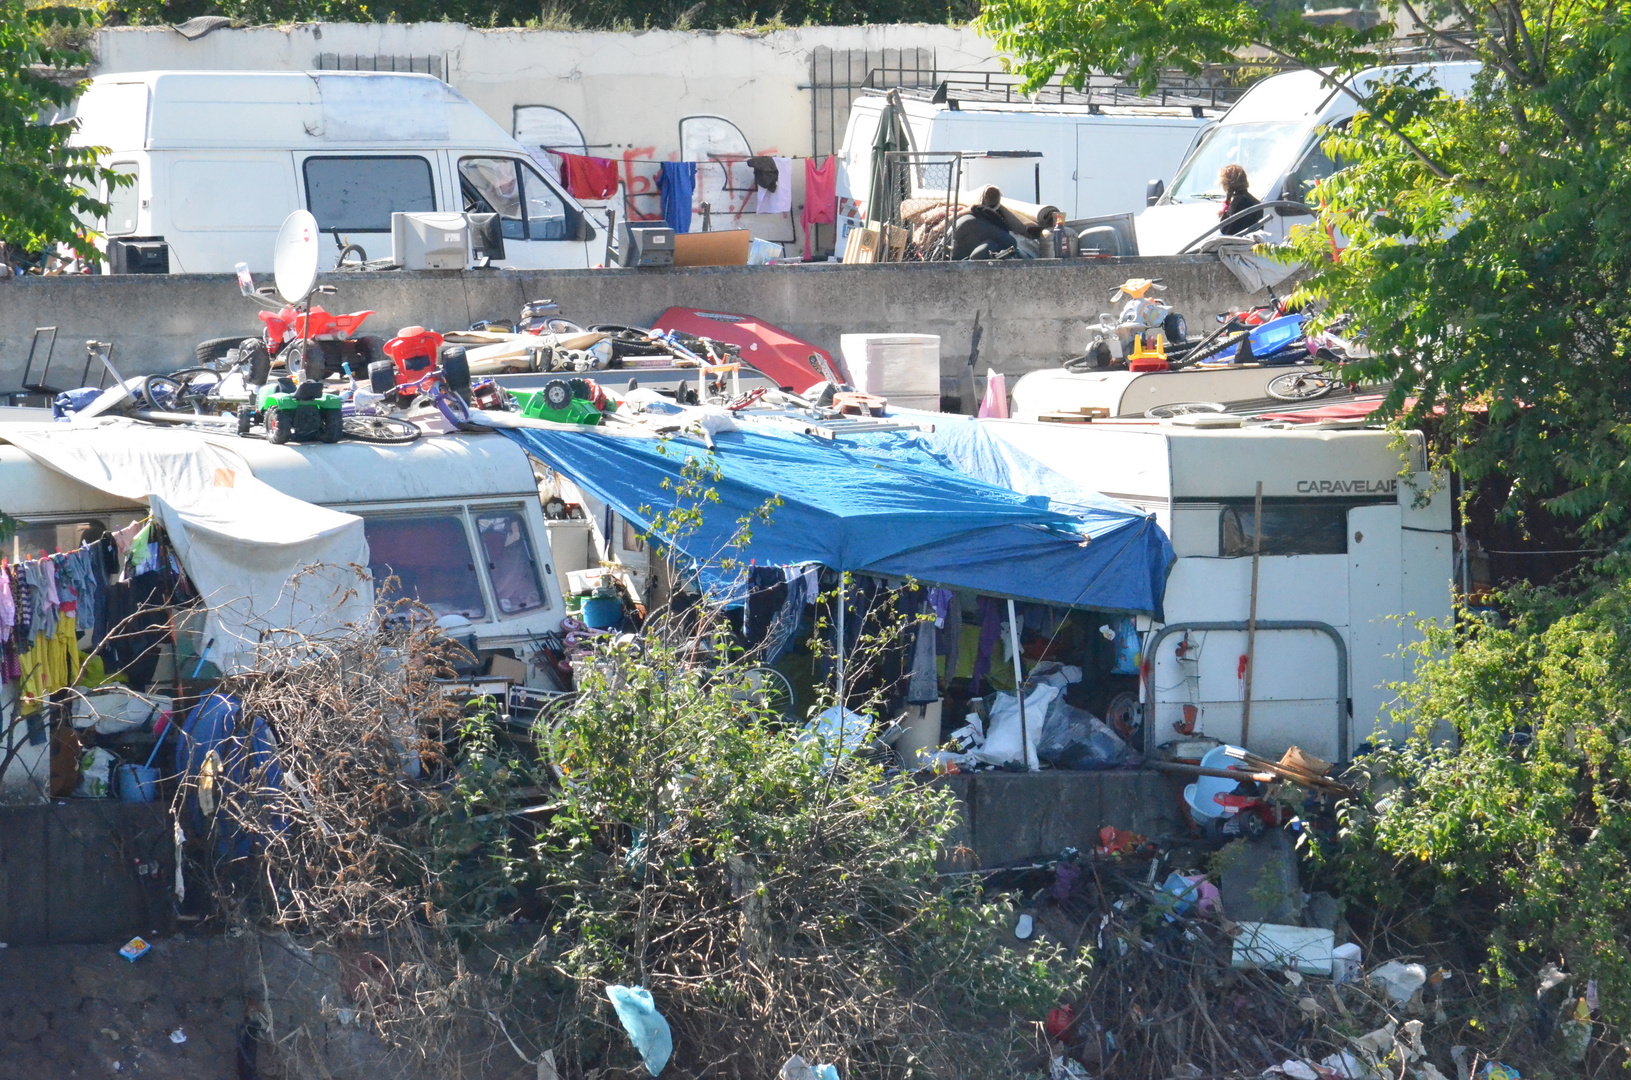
(51, 664)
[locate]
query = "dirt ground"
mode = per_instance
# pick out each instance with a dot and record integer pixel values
(73, 1011)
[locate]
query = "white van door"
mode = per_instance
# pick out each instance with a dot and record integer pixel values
(221, 207)
(543, 229)
(353, 195)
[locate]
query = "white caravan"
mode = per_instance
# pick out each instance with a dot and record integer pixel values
(220, 158)
(1357, 546)
(1088, 154)
(1274, 132)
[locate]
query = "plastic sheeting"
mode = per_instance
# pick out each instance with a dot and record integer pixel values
(267, 565)
(898, 509)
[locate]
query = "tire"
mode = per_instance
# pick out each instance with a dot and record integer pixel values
(454, 408)
(382, 376)
(258, 362)
(557, 394)
(390, 430)
(1183, 408)
(246, 420)
(279, 426)
(370, 351)
(162, 393)
(456, 370)
(1301, 385)
(1175, 329)
(211, 351)
(333, 425)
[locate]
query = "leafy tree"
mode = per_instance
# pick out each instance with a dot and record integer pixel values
(47, 188)
(1485, 239)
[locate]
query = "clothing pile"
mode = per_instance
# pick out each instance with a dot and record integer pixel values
(99, 601)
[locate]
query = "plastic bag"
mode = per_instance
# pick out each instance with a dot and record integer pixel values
(1074, 738)
(647, 1029)
(1005, 738)
(95, 769)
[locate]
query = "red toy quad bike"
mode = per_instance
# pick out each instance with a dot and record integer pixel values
(418, 365)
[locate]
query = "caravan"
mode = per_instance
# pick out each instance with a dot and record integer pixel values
(220, 158)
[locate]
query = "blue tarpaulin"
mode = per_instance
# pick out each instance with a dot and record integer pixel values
(899, 508)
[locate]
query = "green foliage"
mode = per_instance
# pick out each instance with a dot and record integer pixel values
(44, 181)
(1526, 813)
(772, 901)
(1494, 290)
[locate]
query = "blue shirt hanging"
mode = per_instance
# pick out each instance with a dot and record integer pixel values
(678, 184)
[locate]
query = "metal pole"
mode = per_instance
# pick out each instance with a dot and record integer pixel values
(1019, 690)
(840, 646)
(1251, 620)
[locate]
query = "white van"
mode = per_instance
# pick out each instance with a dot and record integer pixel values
(1274, 132)
(1086, 153)
(222, 157)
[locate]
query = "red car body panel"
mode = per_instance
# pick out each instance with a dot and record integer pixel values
(789, 361)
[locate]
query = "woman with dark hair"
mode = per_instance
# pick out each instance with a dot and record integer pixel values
(1233, 180)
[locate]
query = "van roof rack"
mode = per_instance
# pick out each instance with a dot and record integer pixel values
(978, 87)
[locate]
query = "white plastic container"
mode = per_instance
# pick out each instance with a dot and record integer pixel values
(905, 368)
(1306, 949)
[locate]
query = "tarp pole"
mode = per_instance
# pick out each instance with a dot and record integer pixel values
(1019, 689)
(841, 606)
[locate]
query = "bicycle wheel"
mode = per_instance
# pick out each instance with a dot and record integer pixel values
(1182, 408)
(162, 393)
(1301, 385)
(380, 429)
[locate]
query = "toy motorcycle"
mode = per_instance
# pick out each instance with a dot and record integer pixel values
(1145, 324)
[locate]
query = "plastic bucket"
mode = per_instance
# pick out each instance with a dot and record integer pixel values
(136, 783)
(603, 612)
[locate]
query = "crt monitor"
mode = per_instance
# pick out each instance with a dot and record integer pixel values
(430, 241)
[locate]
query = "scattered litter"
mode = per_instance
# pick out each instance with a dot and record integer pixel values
(1306, 949)
(1575, 1034)
(1346, 961)
(1059, 1021)
(1378, 1044)
(1296, 1070)
(546, 1066)
(796, 1068)
(134, 949)
(647, 1029)
(1347, 1066)
(1401, 981)
(1429, 1071)
(1550, 976)
(178, 1036)
(1024, 927)
(1495, 1070)
(1189, 892)
(1064, 1068)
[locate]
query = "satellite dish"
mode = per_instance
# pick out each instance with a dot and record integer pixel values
(294, 257)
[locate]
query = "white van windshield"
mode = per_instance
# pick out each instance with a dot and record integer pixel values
(1265, 151)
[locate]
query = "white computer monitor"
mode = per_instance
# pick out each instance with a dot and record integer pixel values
(430, 241)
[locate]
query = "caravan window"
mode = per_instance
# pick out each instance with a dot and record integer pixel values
(359, 194)
(1295, 528)
(507, 545)
(429, 556)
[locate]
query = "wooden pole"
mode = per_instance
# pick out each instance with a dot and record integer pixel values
(1251, 620)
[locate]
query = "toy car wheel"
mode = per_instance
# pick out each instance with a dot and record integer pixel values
(279, 425)
(382, 376)
(557, 394)
(380, 429)
(456, 370)
(246, 419)
(257, 361)
(1175, 329)
(333, 425)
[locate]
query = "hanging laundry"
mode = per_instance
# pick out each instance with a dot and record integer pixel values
(778, 199)
(677, 183)
(589, 177)
(923, 685)
(820, 196)
(765, 173)
(51, 664)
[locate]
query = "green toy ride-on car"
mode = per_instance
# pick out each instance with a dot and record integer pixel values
(306, 415)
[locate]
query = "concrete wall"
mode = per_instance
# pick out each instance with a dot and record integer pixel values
(627, 92)
(1029, 315)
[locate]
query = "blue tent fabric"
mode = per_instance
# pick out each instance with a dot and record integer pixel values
(897, 509)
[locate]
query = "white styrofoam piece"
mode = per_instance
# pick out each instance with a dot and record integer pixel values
(1272, 945)
(893, 365)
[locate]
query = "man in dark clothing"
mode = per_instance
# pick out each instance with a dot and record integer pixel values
(1236, 198)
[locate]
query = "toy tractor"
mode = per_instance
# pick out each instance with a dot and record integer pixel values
(565, 401)
(1141, 333)
(305, 415)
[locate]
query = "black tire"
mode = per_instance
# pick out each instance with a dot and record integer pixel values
(1174, 329)
(279, 426)
(257, 362)
(162, 393)
(557, 394)
(382, 376)
(333, 425)
(211, 351)
(1301, 385)
(370, 351)
(456, 370)
(246, 420)
(1183, 408)
(390, 430)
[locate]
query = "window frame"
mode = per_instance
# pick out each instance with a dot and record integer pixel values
(522, 166)
(461, 511)
(1244, 507)
(498, 614)
(305, 181)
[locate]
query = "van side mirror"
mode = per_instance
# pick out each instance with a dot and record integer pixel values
(1153, 190)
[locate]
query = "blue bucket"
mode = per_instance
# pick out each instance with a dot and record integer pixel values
(136, 783)
(603, 612)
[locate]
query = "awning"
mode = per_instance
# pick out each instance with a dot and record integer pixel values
(897, 509)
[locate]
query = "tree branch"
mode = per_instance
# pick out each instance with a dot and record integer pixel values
(1344, 86)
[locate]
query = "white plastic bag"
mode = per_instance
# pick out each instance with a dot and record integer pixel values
(647, 1029)
(1005, 739)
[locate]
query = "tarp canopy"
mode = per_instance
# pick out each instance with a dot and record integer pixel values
(898, 509)
(268, 566)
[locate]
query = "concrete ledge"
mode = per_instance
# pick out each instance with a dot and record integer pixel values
(1022, 817)
(68, 872)
(1012, 316)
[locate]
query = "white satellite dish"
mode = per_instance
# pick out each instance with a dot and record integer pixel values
(294, 257)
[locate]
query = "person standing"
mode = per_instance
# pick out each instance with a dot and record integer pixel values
(1236, 198)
